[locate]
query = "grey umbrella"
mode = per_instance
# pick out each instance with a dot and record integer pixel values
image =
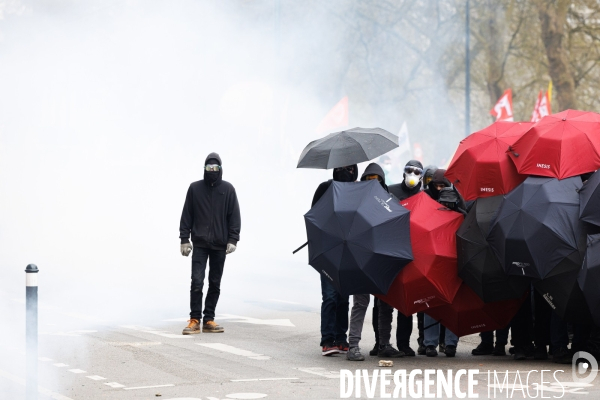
(347, 147)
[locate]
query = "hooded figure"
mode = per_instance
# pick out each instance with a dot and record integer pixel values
(375, 169)
(428, 175)
(211, 217)
(342, 174)
(439, 183)
(411, 184)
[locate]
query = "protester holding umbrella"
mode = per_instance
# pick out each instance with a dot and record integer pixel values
(334, 306)
(361, 301)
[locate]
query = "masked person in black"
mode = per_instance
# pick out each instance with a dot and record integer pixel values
(211, 215)
(334, 306)
(428, 175)
(361, 301)
(382, 325)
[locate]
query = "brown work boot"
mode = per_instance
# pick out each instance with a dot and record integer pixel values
(212, 327)
(193, 327)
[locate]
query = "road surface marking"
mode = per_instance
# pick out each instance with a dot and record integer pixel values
(42, 390)
(153, 331)
(77, 371)
(44, 359)
(114, 385)
(262, 379)
(321, 372)
(285, 301)
(246, 396)
(234, 350)
(148, 387)
(244, 320)
(134, 344)
(60, 365)
(96, 378)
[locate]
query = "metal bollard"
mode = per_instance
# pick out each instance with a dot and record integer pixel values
(31, 331)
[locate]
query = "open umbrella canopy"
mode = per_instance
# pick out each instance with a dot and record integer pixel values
(468, 314)
(431, 279)
(559, 145)
(589, 277)
(589, 200)
(358, 237)
(348, 147)
(478, 266)
(480, 167)
(538, 227)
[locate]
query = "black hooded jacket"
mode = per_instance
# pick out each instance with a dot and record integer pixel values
(402, 192)
(375, 169)
(325, 185)
(211, 213)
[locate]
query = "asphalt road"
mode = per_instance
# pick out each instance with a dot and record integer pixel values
(270, 350)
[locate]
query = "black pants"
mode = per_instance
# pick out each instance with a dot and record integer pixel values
(404, 326)
(532, 325)
(216, 260)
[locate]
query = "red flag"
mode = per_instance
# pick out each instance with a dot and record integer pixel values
(337, 117)
(542, 107)
(503, 110)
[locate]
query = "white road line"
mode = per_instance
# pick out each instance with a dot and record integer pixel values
(60, 365)
(42, 390)
(96, 378)
(115, 385)
(148, 387)
(134, 344)
(321, 372)
(77, 371)
(153, 331)
(234, 350)
(262, 379)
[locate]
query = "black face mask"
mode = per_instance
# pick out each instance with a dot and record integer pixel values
(211, 176)
(344, 175)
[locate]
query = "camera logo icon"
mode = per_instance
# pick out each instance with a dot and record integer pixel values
(589, 364)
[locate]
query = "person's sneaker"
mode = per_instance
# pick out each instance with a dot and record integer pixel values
(499, 350)
(421, 350)
(408, 352)
(354, 354)
(442, 347)
(192, 328)
(519, 354)
(329, 349)
(511, 350)
(430, 351)
(342, 347)
(212, 327)
(561, 355)
(483, 349)
(375, 350)
(388, 351)
(540, 353)
(450, 350)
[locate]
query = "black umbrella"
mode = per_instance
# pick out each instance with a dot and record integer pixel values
(538, 227)
(589, 277)
(478, 267)
(358, 237)
(348, 147)
(561, 290)
(589, 199)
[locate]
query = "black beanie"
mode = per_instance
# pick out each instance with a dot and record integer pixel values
(414, 163)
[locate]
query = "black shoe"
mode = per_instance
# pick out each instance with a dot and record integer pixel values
(562, 355)
(511, 350)
(540, 353)
(430, 351)
(375, 350)
(388, 351)
(450, 351)
(483, 349)
(519, 354)
(408, 352)
(421, 350)
(354, 354)
(499, 350)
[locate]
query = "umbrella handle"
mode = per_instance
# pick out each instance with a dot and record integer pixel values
(300, 248)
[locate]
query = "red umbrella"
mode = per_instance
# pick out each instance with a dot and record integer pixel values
(480, 166)
(559, 145)
(469, 314)
(431, 279)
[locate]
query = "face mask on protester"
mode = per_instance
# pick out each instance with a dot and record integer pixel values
(411, 180)
(344, 174)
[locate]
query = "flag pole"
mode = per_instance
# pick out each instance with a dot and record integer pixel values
(467, 77)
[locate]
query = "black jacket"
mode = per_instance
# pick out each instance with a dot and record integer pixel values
(402, 192)
(325, 185)
(211, 213)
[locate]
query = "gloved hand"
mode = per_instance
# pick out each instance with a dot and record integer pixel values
(230, 248)
(186, 249)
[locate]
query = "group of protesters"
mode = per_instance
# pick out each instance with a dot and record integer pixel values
(537, 331)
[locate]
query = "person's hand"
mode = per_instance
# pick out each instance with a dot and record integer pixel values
(186, 249)
(230, 248)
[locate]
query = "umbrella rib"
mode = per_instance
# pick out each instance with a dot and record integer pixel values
(337, 139)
